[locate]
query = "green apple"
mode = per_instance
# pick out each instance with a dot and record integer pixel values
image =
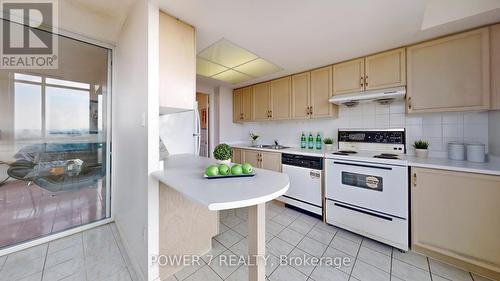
(247, 168)
(236, 169)
(212, 170)
(224, 170)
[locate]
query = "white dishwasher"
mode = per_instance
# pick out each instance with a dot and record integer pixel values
(306, 178)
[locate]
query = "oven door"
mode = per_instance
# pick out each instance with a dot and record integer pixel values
(376, 187)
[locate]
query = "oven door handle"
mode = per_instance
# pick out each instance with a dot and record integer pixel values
(362, 211)
(362, 165)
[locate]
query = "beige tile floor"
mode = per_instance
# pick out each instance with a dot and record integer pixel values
(94, 255)
(294, 234)
(98, 255)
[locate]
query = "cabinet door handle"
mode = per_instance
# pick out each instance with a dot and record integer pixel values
(310, 110)
(270, 114)
(409, 103)
(361, 83)
(414, 179)
(366, 81)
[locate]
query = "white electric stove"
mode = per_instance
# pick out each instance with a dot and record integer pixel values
(366, 185)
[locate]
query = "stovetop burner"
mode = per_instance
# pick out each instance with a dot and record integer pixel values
(344, 152)
(387, 156)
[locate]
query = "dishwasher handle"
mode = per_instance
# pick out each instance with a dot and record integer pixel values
(315, 174)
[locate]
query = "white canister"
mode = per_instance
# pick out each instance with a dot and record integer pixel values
(456, 151)
(476, 152)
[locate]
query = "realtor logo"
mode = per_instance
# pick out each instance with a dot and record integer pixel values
(29, 39)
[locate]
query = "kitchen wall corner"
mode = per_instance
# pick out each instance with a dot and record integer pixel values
(494, 132)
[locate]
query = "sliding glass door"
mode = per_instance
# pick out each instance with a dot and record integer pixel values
(54, 144)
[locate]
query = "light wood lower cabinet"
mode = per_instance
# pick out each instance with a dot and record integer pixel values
(237, 157)
(455, 217)
(495, 66)
(252, 157)
(263, 159)
(450, 73)
(271, 161)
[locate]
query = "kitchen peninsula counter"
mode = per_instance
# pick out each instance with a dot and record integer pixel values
(188, 202)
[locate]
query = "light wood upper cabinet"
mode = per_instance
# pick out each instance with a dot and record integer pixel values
(455, 217)
(237, 105)
(450, 73)
(348, 77)
(280, 98)
(252, 157)
(321, 91)
(243, 105)
(247, 104)
(495, 66)
(271, 161)
(385, 70)
(177, 64)
(301, 95)
(262, 101)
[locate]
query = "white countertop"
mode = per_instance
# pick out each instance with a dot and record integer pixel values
(184, 173)
(291, 150)
(491, 168)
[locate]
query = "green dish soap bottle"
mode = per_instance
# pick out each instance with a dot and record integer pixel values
(303, 141)
(318, 141)
(310, 141)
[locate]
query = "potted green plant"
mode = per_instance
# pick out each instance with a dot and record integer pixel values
(328, 143)
(420, 147)
(253, 138)
(223, 153)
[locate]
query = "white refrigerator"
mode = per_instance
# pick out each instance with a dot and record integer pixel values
(180, 132)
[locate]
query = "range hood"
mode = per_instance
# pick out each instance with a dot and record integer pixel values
(382, 96)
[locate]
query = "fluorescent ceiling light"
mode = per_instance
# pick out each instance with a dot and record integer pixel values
(230, 63)
(207, 68)
(258, 67)
(232, 76)
(227, 54)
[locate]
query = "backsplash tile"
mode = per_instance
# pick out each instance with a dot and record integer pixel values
(437, 128)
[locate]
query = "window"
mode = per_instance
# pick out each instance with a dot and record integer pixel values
(49, 107)
(27, 110)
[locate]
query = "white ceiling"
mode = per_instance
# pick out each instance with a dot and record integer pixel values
(99, 20)
(298, 35)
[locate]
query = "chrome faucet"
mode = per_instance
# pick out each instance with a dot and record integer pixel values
(276, 142)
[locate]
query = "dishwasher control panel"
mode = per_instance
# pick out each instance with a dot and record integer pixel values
(303, 161)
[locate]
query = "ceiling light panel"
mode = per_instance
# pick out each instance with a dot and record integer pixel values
(227, 54)
(206, 68)
(231, 76)
(258, 67)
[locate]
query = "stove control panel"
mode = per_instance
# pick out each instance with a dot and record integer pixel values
(373, 136)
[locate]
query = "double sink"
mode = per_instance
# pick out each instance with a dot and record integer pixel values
(270, 146)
